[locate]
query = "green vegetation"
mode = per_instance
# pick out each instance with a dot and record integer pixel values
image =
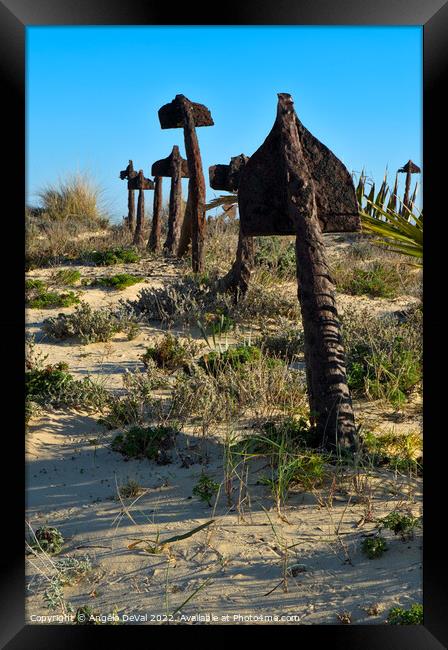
(384, 357)
(206, 488)
(402, 616)
(170, 353)
(146, 442)
(76, 199)
(377, 280)
(236, 357)
(119, 281)
(400, 451)
(66, 277)
(403, 524)
(287, 343)
(47, 539)
(38, 296)
(374, 547)
(113, 256)
(89, 325)
(276, 256)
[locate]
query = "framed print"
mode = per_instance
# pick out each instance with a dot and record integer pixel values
(225, 421)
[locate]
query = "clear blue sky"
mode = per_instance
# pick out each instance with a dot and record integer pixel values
(93, 95)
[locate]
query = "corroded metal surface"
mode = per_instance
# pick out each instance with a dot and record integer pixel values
(171, 115)
(262, 197)
(129, 172)
(181, 112)
(154, 243)
(164, 167)
(227, 177)
(139, 182)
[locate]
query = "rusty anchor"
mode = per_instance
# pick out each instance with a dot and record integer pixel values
(140, 183)
(182, 113)
(124, 175)
(176, 168)
(294, 185)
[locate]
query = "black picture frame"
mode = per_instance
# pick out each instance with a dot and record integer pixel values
(15, 16)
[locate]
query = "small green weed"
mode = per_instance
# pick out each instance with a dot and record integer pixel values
(403, 524)
(48, 539)
(374, 547)
(205, 488)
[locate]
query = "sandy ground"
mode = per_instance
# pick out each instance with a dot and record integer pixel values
(240, 560)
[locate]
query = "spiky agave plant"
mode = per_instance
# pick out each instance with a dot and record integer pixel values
(400, 227)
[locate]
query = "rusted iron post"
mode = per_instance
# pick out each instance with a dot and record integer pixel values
(176, 168)
(140, 183)
(408, 169)
(126, 174)
(185, 232)
(293, 184)
(154, 236)
(181, 112)
(227, 177)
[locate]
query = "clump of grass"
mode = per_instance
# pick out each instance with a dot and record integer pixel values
(377, 279)
(47, 539)
(170, 353)
(137, 403)
(146, 442)
(287, 343)
(184, 300)
(76, 199)
(276, 257)
(374, 547)
(32, 410)
(66, 277)
(38, 296)
(130, 490)
(257, 388)
(206, 488)
(213, 362)
(402, 616)
(400, 451)
(89, 325)
(403, 524)
(296, 432)
(113, 256)
(384, 357)
(119, 281)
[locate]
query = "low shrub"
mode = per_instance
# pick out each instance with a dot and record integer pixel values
(214, 362)
(48, 539)
(89, 325)
(287, 343)
(37, 296)
(113, 256)
(170, 353)
(374, 547)
(384, 357)
(277, 256)
(119, 281)
(146, 442)
(402, 616)
(399, 451)
(403, 524)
